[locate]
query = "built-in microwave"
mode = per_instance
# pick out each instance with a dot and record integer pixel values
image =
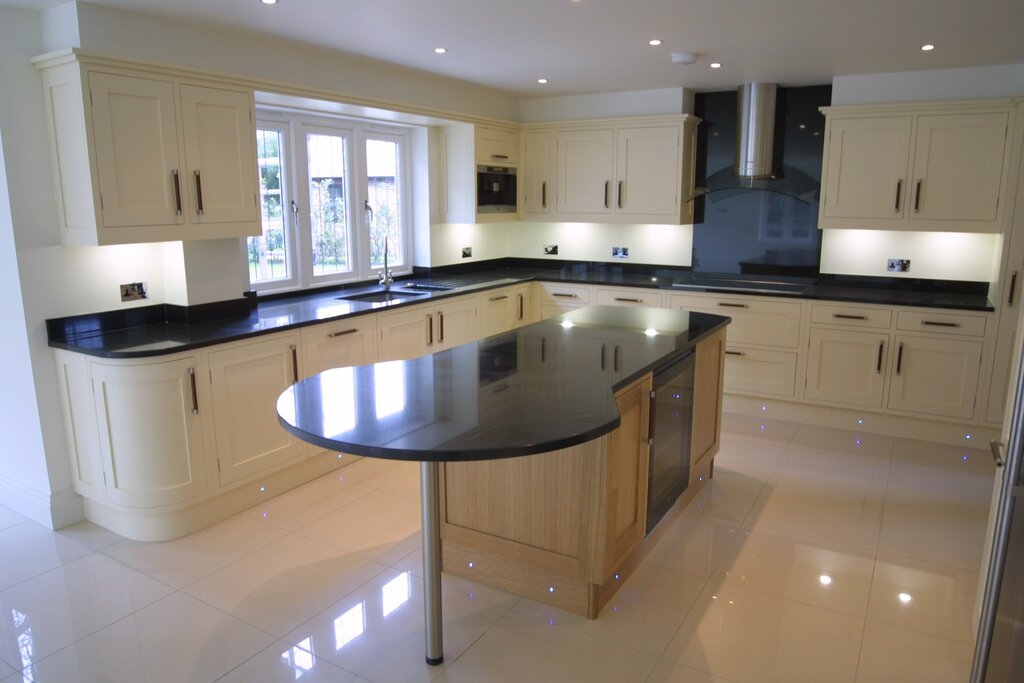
(495, 189)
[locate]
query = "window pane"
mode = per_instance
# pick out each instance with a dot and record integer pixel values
(268, 253)
(328, 210)
(382, 192)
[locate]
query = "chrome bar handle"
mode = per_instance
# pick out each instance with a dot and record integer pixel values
(936, 323)
(543, 349)
(735, 353)
(728, 305)
(628, 300)
(603, 348)
(195, 393)
(295, 362)
(899, 193)
(544, 194)
(899, 359)
(499, 156)
(1013, 288)
(199, 193)
(607, 183)
(332, 335)
(522, 311)
(565, 295)
(177, 191)
(844, 316)
(917, 196)
(440, 327)
(878, 364)
(499, 298)
(430, 329)
(995, 446)
(615, 359)
(620, 194)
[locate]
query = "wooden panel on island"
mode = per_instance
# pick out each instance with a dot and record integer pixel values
(566, 528)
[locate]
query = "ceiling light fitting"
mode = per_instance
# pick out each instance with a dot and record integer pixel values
(654, 43)
(928, 48)
(269, 2)
(440, 50)
(684, 57)
(715, 65)
(542, 81)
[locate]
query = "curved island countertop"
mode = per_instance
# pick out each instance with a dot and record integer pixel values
(535, 389)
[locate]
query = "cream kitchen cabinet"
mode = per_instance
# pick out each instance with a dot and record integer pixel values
(935, 377)
(146, 155)
(637, 170)
(630, 296)
(151, 431)
(416, 331)
(340, 344)
(496, 146)
(499, 309)
(916, 167)
(245, 380)
(556, 298)
(847, 367)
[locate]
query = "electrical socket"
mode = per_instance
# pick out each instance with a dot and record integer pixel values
(551, 250)
(620, 252)
(133, 291)
(898, 265)
(467, 252)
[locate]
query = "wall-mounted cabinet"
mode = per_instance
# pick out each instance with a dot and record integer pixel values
(916, 167)
(637, 170)
(496, 146)
(458, 149)
(147, 156)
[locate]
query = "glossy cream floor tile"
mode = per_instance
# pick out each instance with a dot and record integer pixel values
(304, 505)
(173, 640)
(670, 672)
(694, 543)
(923, 597)
(938, 537)
(71, 602)
(9, 517)
(748, 455)
(728, 495)
(89, 534)
(29, 549)
(858, 473)
(6, 671)
(752, 637)
(643, 615)
(895, 655)
(407, 485)
(377, 630)
(187, 559)
(384, 527)
(800, 568)
(284, 583)
(413, 563)
(522, 647)
(842, 441)
(826, 515)
(283, 662)
(943, 478)
(762, 427)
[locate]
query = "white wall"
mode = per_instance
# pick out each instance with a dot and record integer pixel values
(920, 86)
(633, 103)
(933, 255)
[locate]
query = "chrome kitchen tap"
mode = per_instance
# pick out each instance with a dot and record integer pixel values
(384, 278)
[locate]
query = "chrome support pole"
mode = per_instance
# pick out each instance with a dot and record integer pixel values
(431, 522)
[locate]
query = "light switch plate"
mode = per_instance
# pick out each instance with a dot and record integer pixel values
(551, 250)
(133, 291)
(620, 252)
(467, 252)
(898, 265)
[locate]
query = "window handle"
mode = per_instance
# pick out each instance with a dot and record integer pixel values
(295, 209)
(369, 209)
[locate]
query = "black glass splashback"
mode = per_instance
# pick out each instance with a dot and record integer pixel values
(769, 232)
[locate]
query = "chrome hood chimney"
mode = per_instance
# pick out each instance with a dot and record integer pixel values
(753, 167)
(755, 118)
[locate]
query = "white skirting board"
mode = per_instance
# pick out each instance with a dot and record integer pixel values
(973, 436)
(52, 510)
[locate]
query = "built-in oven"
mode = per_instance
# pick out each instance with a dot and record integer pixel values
(670, 429)
(495, 189)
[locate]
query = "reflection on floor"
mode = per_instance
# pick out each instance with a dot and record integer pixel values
(817, 555)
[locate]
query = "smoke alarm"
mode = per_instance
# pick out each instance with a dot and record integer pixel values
(684, 57)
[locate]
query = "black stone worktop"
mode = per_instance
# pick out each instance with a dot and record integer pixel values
(537, 388)
(158, 330)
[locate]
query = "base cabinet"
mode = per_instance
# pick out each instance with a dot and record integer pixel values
(156, 456)
(935, 376)
(847, 367)
(246, 380)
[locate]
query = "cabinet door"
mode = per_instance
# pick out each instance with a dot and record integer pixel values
(538, 191)
(708, 379)
(135, 131)
(405, 334)
(866, 169)
(151, 433)
(339, 345)
(496, 147)
(220, 155)
(846, 367)
(457, 322)
(625, 484)
(585, 170)
(527, 309)
(936, 377)
(647, 171)
(246, 380)
(498, 309)
(958, 167)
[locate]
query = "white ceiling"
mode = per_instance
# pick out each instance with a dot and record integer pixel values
(592, 46)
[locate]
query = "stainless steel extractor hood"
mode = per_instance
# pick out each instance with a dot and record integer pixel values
(754, 167)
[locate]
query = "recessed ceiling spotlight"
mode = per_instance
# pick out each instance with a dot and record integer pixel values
(440, 50)
(684, 57)
(715, 65)
(542, 81)
(928, 48)
(654, 43)
(269, 2)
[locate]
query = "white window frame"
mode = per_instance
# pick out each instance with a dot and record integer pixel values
(287, 213)
(296, 125)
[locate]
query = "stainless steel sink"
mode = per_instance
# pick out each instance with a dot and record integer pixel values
(381, 296)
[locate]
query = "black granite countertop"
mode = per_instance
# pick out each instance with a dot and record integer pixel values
(153, 331)
(535, 389)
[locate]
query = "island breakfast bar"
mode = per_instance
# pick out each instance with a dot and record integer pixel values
(566, 525)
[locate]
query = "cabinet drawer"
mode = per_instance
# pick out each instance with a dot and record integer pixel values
(755, 320)
(630, 297)
(571, 294)
(759, 371)
(875, 318)
(942, 323)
